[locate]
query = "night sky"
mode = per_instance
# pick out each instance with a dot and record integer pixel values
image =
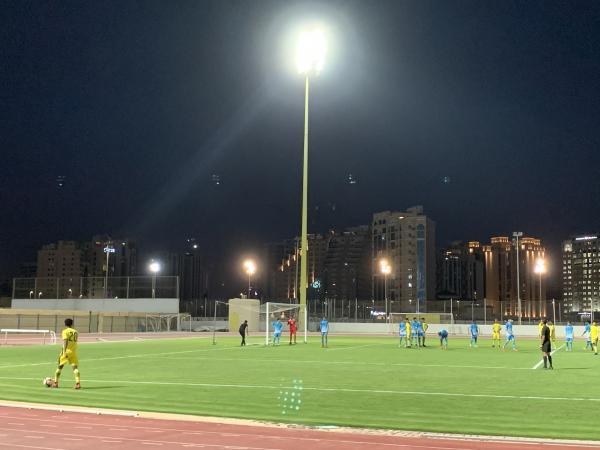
(485, 112)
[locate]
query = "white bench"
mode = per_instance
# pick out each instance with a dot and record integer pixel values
(51, 334)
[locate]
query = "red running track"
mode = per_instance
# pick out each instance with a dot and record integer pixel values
(42, 429)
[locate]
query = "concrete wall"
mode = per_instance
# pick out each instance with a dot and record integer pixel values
(458, 329)
(142, 305)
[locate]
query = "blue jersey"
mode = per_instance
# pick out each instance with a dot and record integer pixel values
(277, 326)
(569, 331)
(509, 330)
(402, 327)
(474, 329)
(414, 327)
(324, 326)
(587, 328)
(443, 334)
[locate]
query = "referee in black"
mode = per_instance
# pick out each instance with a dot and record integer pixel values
(546, 345)
(243, 331)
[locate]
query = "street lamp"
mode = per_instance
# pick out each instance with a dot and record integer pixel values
(154, 268)
(517, 235)
(385, 269)
(249, 268)
(540, 269)
(108, 250)
(310, 57)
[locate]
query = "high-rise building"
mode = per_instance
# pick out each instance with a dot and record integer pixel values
(501, 277)
(461, 271)
(60, 267)
(581, 274)
(339, 266)
(347, 265)
(406, 240)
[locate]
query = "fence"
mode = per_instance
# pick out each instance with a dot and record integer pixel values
(96, 287)
(92, 322)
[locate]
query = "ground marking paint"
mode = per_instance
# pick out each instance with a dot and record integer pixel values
(542, 360)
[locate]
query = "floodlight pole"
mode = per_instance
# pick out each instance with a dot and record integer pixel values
(516, 235)
(304, 231)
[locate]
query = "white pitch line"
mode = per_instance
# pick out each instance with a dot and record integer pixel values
(141, 355)
(349, 390)
(542, 360)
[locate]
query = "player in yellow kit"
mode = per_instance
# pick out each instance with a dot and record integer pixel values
(540, 327)
(594, 331)
(408, 333)
(550, 325)
(496, 327)
(68, 353)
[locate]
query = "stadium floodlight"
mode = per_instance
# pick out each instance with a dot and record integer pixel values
(250, 269)
(385, 269)
(540, 269)
(310, 58)
(517, 235)
(154, 268)
(310, 52)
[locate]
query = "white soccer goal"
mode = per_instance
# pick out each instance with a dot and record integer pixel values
(270, 312)
(165, 322)
(25, 336)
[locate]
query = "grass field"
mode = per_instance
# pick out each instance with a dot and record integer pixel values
(357, 381)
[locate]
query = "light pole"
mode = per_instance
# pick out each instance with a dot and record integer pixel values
(108, 250)
(385, 269)
(249, 268)
(517, 235)
(310, 58)
(154, 268)
(540, 269)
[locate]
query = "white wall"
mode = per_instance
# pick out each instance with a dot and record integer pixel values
(458, 329)
(141, 305)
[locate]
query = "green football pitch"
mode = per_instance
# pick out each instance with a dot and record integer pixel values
(357, 381)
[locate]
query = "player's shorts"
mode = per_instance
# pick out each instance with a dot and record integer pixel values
(510, 337)
(474, 336)
(421, 334)
(323, 333)
(69, 357)
(569, 339)
(403, 334)
(495, 335)
(547, 347)
(292, 331)
(277, 334)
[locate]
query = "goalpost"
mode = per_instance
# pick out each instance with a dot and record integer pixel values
(270, 312)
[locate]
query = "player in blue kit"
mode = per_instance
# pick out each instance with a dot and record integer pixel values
(510, 337)
(586, 333)
(474, 330)
(402, 332)
(324, 331)
(443, 335)
(415, 327)
(277, 326)
(569, 336)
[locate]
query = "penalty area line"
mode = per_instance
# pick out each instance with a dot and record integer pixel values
(542, 360)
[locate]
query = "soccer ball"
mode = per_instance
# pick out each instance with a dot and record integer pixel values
(48, 382)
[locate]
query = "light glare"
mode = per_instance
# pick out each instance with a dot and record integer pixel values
(311, 50)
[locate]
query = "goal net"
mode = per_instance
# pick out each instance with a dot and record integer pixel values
(272, 312)
(165, 322)
(12, 336)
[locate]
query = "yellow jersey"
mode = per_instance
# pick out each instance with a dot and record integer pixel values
(496, 328)
(594, 332)
(424, 326)
(552, 332)
(70, 335)
(540, 326)
(408, 328)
